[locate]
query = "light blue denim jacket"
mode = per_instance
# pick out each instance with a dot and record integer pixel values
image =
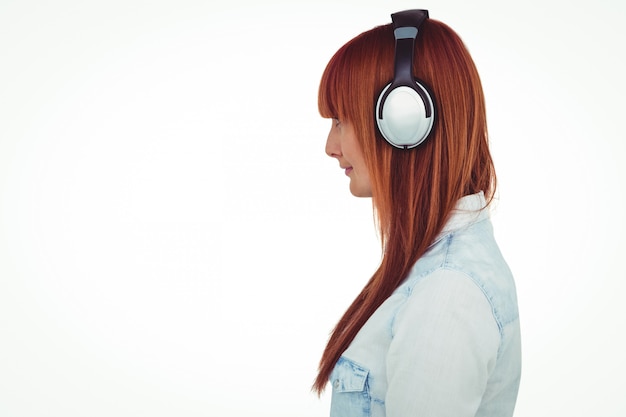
(446, 343)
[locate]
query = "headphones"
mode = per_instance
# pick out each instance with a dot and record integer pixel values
(405, 110)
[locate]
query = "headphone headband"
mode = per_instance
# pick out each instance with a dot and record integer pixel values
(409, 18)
(406, 27)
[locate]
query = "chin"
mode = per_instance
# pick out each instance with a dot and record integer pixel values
(357, 192)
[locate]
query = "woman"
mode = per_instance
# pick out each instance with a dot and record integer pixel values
(435, 331)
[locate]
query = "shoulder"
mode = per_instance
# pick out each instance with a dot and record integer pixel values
(445, 292)
(466, 264)
(446, 308)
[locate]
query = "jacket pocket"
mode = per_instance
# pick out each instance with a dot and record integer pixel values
(351, 397)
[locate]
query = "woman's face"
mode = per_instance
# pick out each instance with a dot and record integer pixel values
(342, 144)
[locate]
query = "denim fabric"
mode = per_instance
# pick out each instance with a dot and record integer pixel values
(447, 341)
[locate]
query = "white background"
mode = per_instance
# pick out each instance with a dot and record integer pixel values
(173, 240)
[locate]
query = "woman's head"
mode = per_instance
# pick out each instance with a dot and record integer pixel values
(413, 191)
(454, 161)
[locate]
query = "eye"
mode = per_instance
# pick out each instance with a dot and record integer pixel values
(336, 121)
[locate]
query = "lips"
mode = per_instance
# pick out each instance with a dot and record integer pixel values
(347, 169)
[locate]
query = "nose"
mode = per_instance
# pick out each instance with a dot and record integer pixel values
(333, 148)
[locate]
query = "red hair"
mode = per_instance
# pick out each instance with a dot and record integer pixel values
(413, 191)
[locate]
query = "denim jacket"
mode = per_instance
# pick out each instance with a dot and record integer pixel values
(446, 343)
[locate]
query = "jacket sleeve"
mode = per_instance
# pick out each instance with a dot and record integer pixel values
(444, 347)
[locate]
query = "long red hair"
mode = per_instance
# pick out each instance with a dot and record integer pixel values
(413, 191)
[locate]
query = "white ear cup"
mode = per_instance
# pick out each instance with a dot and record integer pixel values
(406, 118)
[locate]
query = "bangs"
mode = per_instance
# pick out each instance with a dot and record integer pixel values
(328, 100)
(355, 73)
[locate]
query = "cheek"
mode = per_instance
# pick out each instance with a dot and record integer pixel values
(356, 156)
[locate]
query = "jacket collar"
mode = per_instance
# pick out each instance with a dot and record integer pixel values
(468, 210)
